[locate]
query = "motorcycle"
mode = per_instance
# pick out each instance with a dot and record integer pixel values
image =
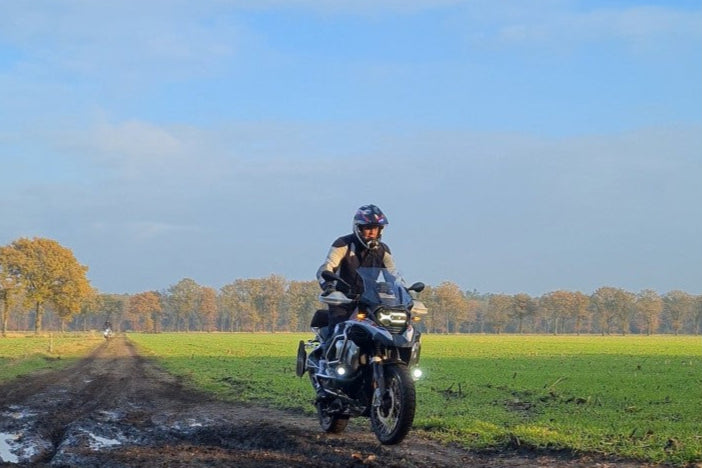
(370, 363)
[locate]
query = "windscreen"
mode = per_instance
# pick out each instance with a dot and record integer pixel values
(382, 287)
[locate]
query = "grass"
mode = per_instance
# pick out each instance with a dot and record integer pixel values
(22, 354)
(636, 397)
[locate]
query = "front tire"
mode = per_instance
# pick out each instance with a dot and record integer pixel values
(332, 423)
(392, 416)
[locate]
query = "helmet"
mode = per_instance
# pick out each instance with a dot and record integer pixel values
(369, 215)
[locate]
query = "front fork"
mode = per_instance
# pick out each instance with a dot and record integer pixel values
(378, 380)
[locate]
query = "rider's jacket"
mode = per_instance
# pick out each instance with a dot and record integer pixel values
(347, 254)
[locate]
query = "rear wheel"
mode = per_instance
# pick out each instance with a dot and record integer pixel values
(392, 415)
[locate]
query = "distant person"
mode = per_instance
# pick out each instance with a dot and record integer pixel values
(361, 248)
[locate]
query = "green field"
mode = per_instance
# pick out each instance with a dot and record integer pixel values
(635, 396)
(21, 354)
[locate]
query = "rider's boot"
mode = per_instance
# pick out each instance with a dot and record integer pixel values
(321, 394)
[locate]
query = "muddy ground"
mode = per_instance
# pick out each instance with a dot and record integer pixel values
(118, 409)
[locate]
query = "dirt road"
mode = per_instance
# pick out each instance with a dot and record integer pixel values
(117, 409)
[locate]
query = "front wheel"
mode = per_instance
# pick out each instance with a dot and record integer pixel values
(392, 413)
(332, 423)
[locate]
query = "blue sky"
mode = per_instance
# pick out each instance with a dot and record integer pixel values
(515, 146)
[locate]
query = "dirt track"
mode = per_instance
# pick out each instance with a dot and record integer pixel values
(117, 409)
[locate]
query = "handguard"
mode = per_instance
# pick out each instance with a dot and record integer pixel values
(335, 298)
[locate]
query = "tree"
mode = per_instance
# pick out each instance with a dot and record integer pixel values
(523, 306)
(613, 304)
(114, 306)
(144, 311)
(561, 305)
(252, 304)
(677, 306)
(450, 307)
(10, 287)
(580, 311)
(697, 316)
(208, 308)
(301, 302)
(271, 301)
(71, 299)
(648, 307)
(428, 322)
(48, 273)
(89, 309)
(183, 299)
(499, 306)
(233, 303)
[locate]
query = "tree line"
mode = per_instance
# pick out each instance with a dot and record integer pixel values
(43, 285)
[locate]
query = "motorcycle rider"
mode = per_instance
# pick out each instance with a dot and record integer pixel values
(107, 329)
(361, 248)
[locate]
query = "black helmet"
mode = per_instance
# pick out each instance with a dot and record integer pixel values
(369, 215)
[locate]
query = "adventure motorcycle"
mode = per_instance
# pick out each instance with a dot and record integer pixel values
(369, 364)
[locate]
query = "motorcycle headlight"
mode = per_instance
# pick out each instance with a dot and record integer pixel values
(395, 321)
(384, 318)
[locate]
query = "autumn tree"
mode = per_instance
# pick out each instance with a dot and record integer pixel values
(48, 273)
(561, 305)
(479, 304)
(9, 287)
(252, 304)
(272, 293)
(648, 308)
(677, 306)
(697, 315)
(183, 298)
(450, 307)
(301, 302)
(144, 311)
(523, 306)
(581, 311)
(89, 309)
(233, 304)
(207, 309)
(499, 306)
(71, 299)
(612, 305)
(428, 322)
